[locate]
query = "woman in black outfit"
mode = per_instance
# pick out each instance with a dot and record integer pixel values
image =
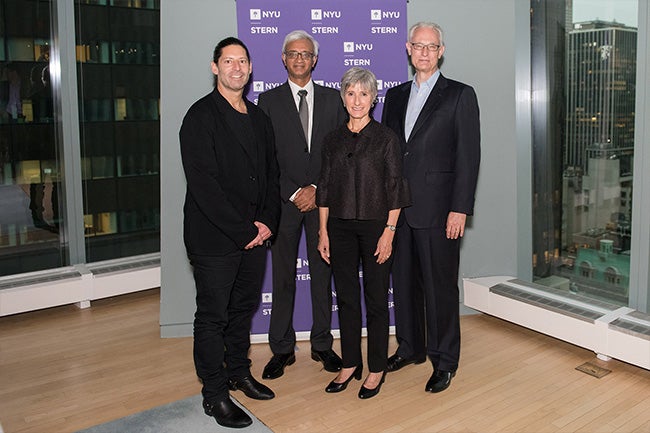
(360, 194)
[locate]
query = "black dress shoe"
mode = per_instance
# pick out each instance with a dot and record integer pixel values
(367, 393)
(396, 362)
(227, 414)
(275, 367)
(439, 381)
(331, 361)
(250, 387)
(338, 387)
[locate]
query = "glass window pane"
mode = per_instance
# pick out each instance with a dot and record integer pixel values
(30, 173)
(584, 77)
(119, 100)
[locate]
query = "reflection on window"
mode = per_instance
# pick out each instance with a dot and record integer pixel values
(117, 47)
(30, 176)
(583, 144)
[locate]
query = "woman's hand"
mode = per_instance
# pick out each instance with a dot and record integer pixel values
(323, 237)
(324, 245)
(384, 246)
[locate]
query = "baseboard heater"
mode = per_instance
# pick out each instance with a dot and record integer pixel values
(78, 284)
(611, 331)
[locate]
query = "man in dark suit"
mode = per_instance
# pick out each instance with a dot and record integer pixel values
(232, 207)
(438, 122)
(298, 137)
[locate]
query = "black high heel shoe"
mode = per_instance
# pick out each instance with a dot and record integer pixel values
(338, 387)
(367, 393)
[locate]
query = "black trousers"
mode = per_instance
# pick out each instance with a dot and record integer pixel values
(351, 241)
(282, 336)
(228, 290)
(425, 291)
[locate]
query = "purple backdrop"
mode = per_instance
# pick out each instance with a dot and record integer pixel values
(366, 33)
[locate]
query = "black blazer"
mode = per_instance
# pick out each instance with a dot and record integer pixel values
(298, 166)
(441, 158)
(362, 173)
(229, 183)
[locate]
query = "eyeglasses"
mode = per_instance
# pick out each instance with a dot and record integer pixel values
(295, 54)
(430, 47)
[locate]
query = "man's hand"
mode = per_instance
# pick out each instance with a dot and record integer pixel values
(456, 225)
(263, 230)
(263, 233)
(305, 199)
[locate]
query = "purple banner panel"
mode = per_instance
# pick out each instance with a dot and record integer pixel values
(366, 33)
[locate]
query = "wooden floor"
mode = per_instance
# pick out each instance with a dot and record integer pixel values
(65, 369)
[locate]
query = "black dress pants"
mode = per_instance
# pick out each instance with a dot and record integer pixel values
(351, 241)
(282, 336)
(425, 290)
(228, 290)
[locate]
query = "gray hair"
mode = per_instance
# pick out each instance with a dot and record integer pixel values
(297, 35)
(428, 25)
(355, 75)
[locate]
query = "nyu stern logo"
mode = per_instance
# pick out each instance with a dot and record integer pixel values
(261, 86)
(351, 47)
(388, 84)
(332, 84)
(378, 14)
(259, 14)
(320, 14)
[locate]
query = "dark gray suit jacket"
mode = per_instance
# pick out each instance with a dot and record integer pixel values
(298, 166)
(441, 158)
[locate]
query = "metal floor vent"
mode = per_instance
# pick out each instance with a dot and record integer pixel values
(635, 323)
(39, 279)
(121, 267)
(575, 298)
(534, 297)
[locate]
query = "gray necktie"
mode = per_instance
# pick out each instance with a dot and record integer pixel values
(303, 112)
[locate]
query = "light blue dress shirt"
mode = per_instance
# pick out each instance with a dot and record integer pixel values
(417, 98)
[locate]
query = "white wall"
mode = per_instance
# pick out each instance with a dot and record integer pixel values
(189, 31)
(483, 45)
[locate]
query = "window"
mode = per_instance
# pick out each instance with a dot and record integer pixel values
(119, 98)
(583, 60)
(586, 270)
(30, 170)
(117, 52)
(612, 276)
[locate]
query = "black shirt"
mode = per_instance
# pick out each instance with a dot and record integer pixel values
(361, 177)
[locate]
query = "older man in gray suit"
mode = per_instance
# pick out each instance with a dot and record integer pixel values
(302, 112)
